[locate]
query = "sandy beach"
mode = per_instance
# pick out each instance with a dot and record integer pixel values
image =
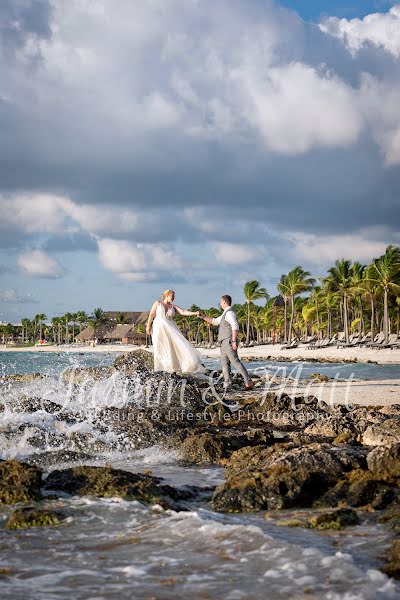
(359, 354)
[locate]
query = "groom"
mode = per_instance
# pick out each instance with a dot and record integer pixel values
(228, 328)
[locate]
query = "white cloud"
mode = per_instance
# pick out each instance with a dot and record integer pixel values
(32, 213)
(234, 254)
(325, 249)
(379, 29)
(297, 108)
(37, 263)
(136, 262)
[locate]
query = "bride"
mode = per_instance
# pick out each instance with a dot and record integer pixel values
(172, 351)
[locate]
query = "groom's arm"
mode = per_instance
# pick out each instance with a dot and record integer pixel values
(212, 321)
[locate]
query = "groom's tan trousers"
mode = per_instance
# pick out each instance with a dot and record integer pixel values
(229, 357)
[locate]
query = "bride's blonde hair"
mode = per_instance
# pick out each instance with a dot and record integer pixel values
(166, 293)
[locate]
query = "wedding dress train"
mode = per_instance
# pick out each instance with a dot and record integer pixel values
(172, 351)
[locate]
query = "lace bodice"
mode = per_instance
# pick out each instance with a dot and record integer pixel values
(161, 312)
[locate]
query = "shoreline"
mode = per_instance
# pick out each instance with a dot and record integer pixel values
(262, 352)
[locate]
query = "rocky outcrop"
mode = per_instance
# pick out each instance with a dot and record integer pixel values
(137, 361)
(384, 462)
(19, 482)
(30, 516)
(337, 520)
(392, 567)
(383, 434)
(109, 482)
(79, 376)
(283, 476)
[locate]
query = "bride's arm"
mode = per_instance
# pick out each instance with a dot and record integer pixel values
(151, 317)
(184, 312)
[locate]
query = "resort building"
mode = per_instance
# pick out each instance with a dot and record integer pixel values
(131, 331)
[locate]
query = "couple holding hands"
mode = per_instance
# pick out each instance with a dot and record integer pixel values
(175, 354)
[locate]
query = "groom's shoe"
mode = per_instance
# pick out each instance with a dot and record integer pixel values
(249, 385)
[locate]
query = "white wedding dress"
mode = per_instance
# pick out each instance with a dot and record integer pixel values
(172, 351)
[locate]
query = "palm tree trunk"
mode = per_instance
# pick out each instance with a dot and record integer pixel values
(248, 324)
(345, 319)
(372, 320)
(385, 318)
(291, 318)
(285, 334)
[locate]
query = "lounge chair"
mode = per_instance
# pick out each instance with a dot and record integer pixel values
(378, 341)
(392, 340)
(352, 342)
(318, 344)
(293, 344)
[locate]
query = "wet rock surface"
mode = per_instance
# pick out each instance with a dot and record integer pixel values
(19, 482)
(30, 516)
(109, 482)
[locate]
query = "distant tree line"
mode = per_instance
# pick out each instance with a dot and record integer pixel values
(352, 298)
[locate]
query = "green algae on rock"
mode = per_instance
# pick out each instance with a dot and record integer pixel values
(29, 516)
(19, 482)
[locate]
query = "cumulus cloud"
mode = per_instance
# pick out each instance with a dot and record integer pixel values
(234, 254)
(297, 108)
(136, 262)
(36, 263)
(378, 29)
(322, 250)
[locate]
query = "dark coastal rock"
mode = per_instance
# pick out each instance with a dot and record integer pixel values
(332, 427)
(29, 516)
(337, 520)
(19, 482)
(283, 476)
(203, 448)
(384, 461)
(359, 489)
(137, 361)
(81, 375)
(109, 482)
(383, 434)
(213, 445)
(28, 404)
(50, 458)
(392, 567)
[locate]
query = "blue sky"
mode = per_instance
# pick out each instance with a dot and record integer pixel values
(314, 10)
(192, 145)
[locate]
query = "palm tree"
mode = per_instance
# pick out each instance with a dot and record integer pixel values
(252, 291)
(212, 313)
(283, 290)
(385, 272)
(66, 320)
(340, 280)
(39, 319)
(372, 292)
(120, 318)
(96, 320)
(25, 325)
(297, 281)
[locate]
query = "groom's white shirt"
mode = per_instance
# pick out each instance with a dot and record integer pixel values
(230, 317)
